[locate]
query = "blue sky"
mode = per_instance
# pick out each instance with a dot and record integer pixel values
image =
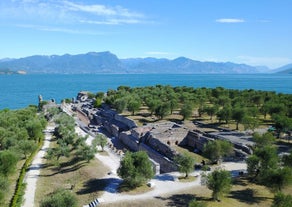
(255, 32)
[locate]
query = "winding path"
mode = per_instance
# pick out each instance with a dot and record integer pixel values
(34, 170)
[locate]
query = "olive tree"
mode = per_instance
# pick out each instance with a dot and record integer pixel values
(100, 140)
(282, 200)
(217, 149)
(219, 181)
(185, 163)
(135, 169)
(8, 161)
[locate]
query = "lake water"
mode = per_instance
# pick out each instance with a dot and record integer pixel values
(18, 91)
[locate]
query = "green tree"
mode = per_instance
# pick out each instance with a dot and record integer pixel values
(186, 110)
(238, 115)
(211, 111)
(120, 104)
(59, 198)
(34, 129)
(262, 140)
(100, 140)
(260, 164)
(133, 105)
(162, 110)
(282, 123)
(58, 152)
(217, 149)
(97, 103)
(26, 147)
(219, 181)
(87, 152)
(279, 178)
(250, 123)
(152, 104)
(185, 163)
(135, 169)
(8, 161)
(282, 200)
(225, 114)
(3, 188)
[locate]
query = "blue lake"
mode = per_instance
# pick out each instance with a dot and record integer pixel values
(18, 91)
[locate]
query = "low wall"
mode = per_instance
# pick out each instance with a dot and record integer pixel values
(196, 140)
(131, 142)
(166, 165)
(159, 146)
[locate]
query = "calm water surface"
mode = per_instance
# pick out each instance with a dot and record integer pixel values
(18, 91)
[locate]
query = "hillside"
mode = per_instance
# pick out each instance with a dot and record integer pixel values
(106, 62)
(286, 69)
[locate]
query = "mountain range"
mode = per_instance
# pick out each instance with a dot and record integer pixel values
(106, 62)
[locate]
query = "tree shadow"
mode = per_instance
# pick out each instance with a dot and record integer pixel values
(58, 170)
(94, 185)
(178, 121)
(178, 200)
(247, 196)
(242, 181)
(71, 162)
(143, 120)
(183, 200)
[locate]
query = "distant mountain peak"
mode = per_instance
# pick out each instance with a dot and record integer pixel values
(107, 62)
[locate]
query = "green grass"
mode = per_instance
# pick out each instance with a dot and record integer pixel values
(198, 158)
(242, 194)
(184, 179)
(82, 178)
(124, 188)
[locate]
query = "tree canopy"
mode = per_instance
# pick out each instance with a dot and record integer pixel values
(135, 169)
(229, 105)
(217, 149)
(219, 181)
(185, 163)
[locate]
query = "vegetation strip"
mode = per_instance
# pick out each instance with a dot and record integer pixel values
(20, 186)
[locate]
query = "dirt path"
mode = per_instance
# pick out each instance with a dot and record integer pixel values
(163, 184)
(34, 170)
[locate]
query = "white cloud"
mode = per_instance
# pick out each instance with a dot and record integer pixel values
(59, 29)
(272, 62)
(101, 10)
(230, 20)
(67, 12)
(112, 21)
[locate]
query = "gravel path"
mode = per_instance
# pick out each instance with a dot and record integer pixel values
(34, 170)
(162, 184)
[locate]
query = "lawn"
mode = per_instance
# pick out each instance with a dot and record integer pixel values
(242, 194)
(78, 176)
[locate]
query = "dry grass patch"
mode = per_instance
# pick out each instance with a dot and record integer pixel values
(242, 194)
(185, 179)
(79, 177)
(124, 189)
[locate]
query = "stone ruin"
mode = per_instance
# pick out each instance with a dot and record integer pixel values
(157, 139)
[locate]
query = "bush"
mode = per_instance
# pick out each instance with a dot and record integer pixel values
(59, 198)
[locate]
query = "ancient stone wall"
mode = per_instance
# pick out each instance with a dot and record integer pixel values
(159, 146)
(131, 142)
(130, 123)
(196, 140)
(166, 165)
